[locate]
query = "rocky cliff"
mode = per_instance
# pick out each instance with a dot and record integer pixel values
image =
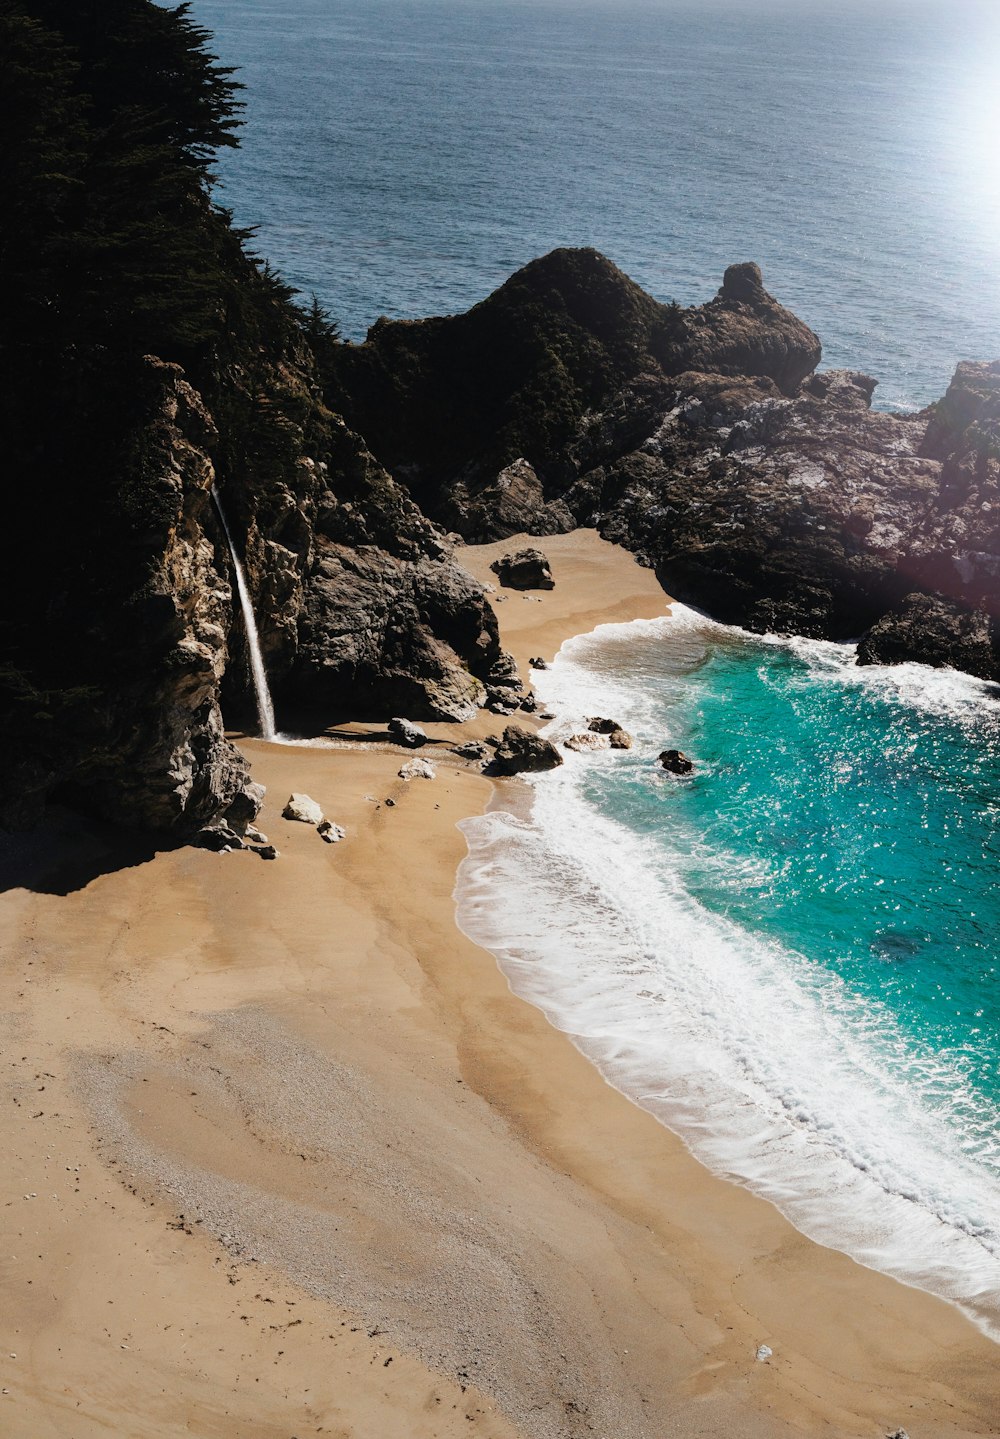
(762, 490)
(147, 358)
(489, 416)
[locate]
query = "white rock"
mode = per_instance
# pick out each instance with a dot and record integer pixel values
(418, 769)
(331, 832)
(302, 808)
(588, 740)
(764, 1353)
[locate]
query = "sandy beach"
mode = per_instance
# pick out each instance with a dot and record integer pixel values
(286, 1157)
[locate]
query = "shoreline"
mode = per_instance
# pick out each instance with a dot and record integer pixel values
(401, 1153)
(568, 897)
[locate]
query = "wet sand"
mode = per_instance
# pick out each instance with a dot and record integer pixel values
(286, 1157)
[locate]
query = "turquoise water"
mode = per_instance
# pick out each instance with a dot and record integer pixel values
(403, 157)
(847, 820)
(791, 956)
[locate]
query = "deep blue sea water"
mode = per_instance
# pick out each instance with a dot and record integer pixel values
(403, 157)
(791, 958)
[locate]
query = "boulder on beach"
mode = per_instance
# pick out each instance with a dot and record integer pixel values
(406, 733)
(522, 750)
(527, 569)
(675, 761)
(330, 832)
(302, 808)
(418, 769)
(587, 740)
(537, 663)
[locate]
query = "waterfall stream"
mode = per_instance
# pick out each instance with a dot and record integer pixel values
(265, 707)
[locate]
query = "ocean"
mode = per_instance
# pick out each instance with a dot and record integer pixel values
(790, 957)
(403, 157)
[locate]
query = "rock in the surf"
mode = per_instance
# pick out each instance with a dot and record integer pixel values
(587, 740)
(522, 750)
(619, 738)
(675, 761)
(934, 631)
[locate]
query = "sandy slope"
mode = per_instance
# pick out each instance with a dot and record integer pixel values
(285, 1157)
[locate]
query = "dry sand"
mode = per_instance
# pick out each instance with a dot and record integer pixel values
(285, 1157)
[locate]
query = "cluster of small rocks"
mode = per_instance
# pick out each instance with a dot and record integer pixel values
(600, 734)
(235, 830)
(305, 810)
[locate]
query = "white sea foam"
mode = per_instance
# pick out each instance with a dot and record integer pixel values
(773, 1071)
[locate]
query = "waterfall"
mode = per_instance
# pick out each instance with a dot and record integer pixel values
(265, 709)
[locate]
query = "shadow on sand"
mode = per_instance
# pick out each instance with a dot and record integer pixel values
(68, 850)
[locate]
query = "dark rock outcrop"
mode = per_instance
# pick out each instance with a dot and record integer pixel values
(522, 750)
(489, 417)
(818, 516)
(936, 632)
(524, 570)
(769, 494)
(675, 761)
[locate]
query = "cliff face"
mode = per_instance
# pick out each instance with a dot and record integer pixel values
(819, 516)
(361, 608)
(127, 722)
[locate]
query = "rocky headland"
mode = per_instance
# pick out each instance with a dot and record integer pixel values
(762, 490)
